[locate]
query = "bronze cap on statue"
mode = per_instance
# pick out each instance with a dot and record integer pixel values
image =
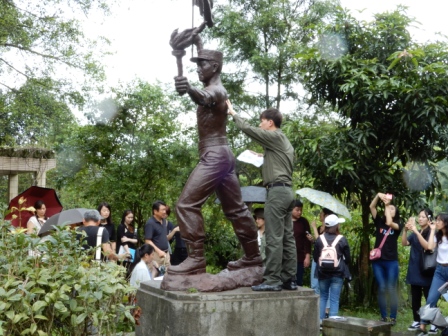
(208, 55)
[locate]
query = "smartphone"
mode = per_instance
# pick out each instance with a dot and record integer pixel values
(389, 196)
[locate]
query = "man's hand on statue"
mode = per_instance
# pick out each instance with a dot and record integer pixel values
(181, 84)
(230, 109)
(161, 254)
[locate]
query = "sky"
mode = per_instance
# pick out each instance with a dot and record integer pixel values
(140, 31)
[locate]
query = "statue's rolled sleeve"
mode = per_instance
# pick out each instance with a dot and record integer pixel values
(202, 97)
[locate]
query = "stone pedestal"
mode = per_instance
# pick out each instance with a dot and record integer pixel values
(231, 313)
(354, 326)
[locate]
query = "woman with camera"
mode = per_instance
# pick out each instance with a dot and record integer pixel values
(385, 269)
(441, 274)
(419, 280)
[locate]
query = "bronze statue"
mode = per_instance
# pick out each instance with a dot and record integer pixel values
(215, 171)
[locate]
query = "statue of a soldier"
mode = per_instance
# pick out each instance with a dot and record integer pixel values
(215, 171)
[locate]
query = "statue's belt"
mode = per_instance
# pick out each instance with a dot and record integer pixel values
(221, 141)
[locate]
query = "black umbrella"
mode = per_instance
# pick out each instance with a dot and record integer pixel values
(66, 217)
(252, 194)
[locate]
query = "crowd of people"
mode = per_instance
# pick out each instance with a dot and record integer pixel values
(423, 233)
(143, 259)
(148, 259)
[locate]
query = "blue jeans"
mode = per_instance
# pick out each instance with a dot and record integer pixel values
(439, 278)
(330, 288)
(315, 283)
(386, 276)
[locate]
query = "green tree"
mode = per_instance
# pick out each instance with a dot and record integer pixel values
(261, 38)
(131, 154)
(47, 67)
(389, 94)
(33, 115)
(41, 39)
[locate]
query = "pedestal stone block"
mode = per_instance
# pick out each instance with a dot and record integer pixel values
(236, 312)
(354, 326)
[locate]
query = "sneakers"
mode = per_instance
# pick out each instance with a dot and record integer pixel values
(434, 330)
(393, 321)
(422, 333)
(414, 326)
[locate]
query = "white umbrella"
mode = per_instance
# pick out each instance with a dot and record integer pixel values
(325, 200)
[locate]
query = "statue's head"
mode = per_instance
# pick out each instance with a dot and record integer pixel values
(212, 56)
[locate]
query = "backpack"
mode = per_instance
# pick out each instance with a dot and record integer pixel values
(328, 260)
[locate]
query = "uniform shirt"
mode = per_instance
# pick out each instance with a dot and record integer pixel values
(278, 152)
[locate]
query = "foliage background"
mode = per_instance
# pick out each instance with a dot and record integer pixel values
(372, 115)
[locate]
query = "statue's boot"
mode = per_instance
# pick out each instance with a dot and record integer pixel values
(194, 264)
(251, 257)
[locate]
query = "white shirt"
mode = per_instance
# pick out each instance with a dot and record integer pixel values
(140, 273)
(442, 251)
(37, 223)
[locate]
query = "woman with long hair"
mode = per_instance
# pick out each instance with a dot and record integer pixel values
(419, 281)
(385, 269)
(35, 222)
(441, 274)
(126, 232)
(105, 211)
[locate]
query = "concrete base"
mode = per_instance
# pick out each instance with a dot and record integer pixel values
(231, 313)
(354, 326)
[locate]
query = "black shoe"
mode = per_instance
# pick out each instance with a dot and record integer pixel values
(266, 288)
(290, 285)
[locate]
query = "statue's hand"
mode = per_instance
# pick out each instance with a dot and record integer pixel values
(181, 84)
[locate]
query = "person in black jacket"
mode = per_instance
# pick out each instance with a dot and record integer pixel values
(331, 278)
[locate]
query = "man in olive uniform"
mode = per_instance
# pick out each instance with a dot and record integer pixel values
(281, 265)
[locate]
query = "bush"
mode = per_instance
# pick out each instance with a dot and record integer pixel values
(59, 291)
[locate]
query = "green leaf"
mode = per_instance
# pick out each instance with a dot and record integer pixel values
(38, 305)
(60, 307)
(81, 318)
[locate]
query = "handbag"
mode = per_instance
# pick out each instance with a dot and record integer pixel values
(428, 262)
(376, 252)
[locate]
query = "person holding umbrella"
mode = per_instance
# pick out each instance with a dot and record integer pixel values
(95, 239)
(35, 222)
